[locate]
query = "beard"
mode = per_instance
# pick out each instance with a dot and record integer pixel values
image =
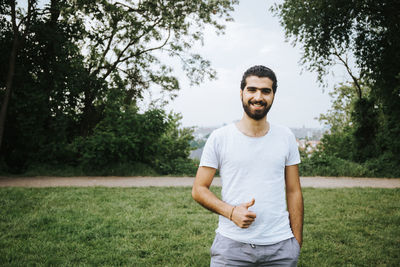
(256, 114)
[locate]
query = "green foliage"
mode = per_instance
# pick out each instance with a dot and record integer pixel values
(335, 156)
(353, 124)
(42, 114)
(349, 148)
(126, 137)
(384, 165)
(323, 164)
(174, 149)
(365, 117)
(179, 166)
(338, 117)
(368, 30)
(338, 142)
(80, 71)
(125, 40)
(122, 137)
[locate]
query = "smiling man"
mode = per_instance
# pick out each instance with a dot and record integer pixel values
(261, 211)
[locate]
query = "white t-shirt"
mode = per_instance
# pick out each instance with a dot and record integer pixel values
(253, 167)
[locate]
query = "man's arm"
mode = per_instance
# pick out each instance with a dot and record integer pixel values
(240, 215)
(294, 198)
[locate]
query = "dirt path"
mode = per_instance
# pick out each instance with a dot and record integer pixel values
(317, 182)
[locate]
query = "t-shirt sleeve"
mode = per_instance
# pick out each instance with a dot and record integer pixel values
(293, 157)
(209, 157)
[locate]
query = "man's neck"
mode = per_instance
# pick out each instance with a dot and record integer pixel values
(253, 128)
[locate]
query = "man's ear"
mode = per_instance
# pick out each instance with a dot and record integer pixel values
(241, 94)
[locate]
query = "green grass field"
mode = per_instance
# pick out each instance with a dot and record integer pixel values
(165, 227)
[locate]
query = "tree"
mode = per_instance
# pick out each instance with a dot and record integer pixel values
(20, 29)
(49, 76)
(328, 30)
(344, 140)
(369, 32)
(77, 54)
(125, 40)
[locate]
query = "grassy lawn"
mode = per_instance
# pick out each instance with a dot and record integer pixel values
(165, 227)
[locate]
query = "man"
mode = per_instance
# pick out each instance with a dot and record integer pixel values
(261, 211)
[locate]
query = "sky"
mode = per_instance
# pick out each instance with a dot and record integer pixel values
(254, 38)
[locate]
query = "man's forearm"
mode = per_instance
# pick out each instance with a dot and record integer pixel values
(296, 214)
(240, 214)
(201, 193)
(207, 199)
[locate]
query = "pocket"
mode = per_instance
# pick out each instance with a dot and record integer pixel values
(296, 247)
(296, 242)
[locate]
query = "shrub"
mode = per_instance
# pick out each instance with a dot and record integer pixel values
(179, 166)
(122, 137)
(320, 164)
(174, 148)
(385, 165)
(126, 138)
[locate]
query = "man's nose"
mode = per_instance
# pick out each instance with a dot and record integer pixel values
(258, 95)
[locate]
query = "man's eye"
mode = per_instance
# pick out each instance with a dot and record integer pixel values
(266, 91)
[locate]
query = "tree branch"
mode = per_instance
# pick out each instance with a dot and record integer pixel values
(130, 8)
(355, 80)
(154, 48)
(113, 65)
(14, 17)
(120, 59)
(105, 52)
(27, 25)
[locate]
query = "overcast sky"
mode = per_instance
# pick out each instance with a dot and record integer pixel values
(255, 37)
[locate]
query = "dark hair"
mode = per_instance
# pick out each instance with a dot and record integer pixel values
(259, 71)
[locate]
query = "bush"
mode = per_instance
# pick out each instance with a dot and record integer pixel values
(3, 167)
(126, 138)
(179, 166)
(335, 157)
(122, 137)
(125, 169)
(320, 164)
(174, 148)
(385, 165)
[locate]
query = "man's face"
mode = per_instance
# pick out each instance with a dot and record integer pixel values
(257, 97)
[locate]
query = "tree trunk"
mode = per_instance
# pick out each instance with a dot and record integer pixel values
(7, 96)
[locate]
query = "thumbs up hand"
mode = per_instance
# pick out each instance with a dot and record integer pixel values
(241, 215)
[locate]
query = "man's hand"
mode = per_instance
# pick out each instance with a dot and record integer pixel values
(241, 215)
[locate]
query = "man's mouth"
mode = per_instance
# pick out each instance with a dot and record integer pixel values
(258, 104)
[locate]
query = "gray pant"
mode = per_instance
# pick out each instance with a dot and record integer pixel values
(227, 252)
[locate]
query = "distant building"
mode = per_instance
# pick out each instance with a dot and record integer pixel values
(309, 145)
(308, 133)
